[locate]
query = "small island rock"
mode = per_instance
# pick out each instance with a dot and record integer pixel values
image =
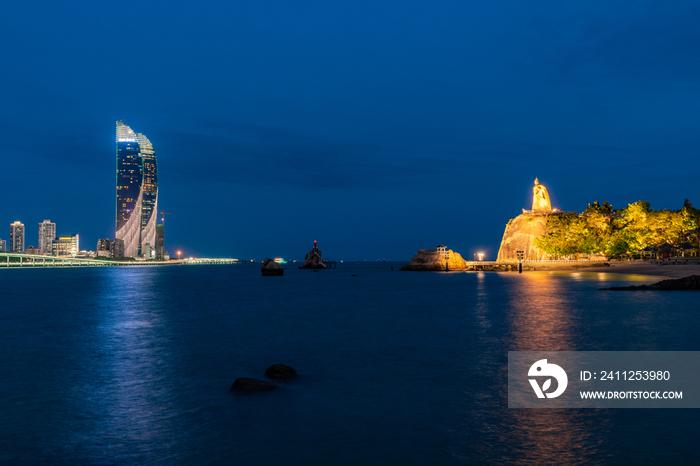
(313, 259)
(434, 260)
(280, 372)
(270, 268)
(244, 384)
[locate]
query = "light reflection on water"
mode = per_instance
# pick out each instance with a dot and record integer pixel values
(134, 366)
(544, 319)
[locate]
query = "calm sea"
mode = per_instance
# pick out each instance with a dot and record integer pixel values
(134, 366)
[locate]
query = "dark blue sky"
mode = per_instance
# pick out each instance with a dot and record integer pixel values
(375, 128)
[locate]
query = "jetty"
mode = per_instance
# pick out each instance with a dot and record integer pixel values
(507, 266)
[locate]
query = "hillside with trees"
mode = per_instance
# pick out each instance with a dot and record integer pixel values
(602, 229)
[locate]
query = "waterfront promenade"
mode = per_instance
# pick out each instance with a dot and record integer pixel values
(13, 260)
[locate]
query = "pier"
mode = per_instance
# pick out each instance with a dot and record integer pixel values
(531, 264)
(13, 260)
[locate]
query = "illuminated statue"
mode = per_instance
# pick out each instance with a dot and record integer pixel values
(540, 198)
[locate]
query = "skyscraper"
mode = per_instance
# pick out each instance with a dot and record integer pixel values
(17, 237)
(160, 242)
(47, 233)
(149, 188)
(137, 190)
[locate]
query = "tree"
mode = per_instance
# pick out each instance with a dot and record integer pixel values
(567, 234)
(597, 208)
(601, 229)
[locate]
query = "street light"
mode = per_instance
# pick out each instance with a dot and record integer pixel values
(521, 256)
(178, 255)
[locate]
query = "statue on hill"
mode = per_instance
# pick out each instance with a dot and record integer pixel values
(540, 198)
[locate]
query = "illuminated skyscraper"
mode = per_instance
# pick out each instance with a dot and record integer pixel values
(137, 190)
(47, 233)
(149, 189)
(17, 237)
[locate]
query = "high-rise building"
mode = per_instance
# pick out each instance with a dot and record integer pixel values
(137, 190)
(160, 241)
(66, 246)
(149, 188)
(104, 248)
(2, 245)
(147, 252)
(17, 237)
(117, 248)
(47, 233)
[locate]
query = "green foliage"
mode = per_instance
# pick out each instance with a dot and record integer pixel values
(600, 229)
(567, 233)
(597, 208)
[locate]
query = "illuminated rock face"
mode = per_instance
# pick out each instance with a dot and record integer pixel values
(519, 235)
(432, 260)
(523, 229)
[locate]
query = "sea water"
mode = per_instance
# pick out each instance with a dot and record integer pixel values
(127, 365)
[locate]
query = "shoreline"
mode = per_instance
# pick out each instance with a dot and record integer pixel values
(666, 269)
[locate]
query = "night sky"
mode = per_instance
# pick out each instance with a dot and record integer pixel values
(376, 128)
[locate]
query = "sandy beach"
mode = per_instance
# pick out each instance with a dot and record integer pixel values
(670, 269)
(666, 269)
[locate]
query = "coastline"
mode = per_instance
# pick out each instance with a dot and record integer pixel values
(666, 269)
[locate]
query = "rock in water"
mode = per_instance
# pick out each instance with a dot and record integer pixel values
(687, 283)
(434, 260)
(271, 268)
(313, 259)
(244, 384)
(280, 372)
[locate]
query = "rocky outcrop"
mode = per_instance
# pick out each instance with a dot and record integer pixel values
(434, 260)
(688, 283)
(519, 235)
(244, 384)
(313, 259)
(280, 372)
(270, 268)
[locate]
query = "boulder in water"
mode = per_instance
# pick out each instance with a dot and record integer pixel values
(280, 372)
(244, 384)
(270, 268)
